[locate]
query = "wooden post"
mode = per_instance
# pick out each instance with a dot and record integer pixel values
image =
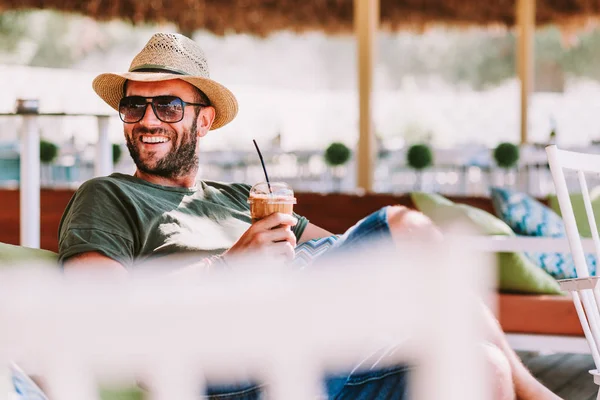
(525, 54)
(366, 20)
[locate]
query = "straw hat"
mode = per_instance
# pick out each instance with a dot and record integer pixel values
(170, 56)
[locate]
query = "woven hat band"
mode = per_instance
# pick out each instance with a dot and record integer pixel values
(172, 52)
(158, 69)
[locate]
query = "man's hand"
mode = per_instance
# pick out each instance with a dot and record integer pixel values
(271, 236)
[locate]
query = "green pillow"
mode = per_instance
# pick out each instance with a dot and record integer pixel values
(130, 393)
(11, 254)
(579, 210)
(516, 273)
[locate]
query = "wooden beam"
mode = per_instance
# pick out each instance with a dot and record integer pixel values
(366, 21)
(525, 54)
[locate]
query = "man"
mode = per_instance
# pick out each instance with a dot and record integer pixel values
(167, 102)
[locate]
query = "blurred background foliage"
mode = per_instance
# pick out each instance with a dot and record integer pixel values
(476, 58)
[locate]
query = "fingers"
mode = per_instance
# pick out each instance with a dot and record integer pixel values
(283, 234)
(271, 236)
(274, 220)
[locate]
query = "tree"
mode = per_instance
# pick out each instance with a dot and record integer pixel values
(13, 28)
(336, 155)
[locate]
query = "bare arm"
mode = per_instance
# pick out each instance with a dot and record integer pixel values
(313, 232)
(91, 261)
(94, 260)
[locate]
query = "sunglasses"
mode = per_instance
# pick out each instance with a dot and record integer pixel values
(168, 109)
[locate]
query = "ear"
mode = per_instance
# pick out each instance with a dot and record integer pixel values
(206, 117)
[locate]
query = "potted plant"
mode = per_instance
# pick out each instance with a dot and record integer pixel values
(419, 156)
(48, 153)
(506, 156)
(116, 153)
(336, 155)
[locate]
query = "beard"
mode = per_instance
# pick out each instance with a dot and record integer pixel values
(180, 161)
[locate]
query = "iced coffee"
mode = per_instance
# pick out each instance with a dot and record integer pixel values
(267, 199)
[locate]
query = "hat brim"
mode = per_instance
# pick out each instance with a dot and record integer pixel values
(109, 87)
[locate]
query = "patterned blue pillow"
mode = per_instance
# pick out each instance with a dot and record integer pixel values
(308, 251)
(528, 217)
(24, 387)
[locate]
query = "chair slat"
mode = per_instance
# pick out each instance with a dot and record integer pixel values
(578, 161)
(585, 292)
(572, 285)
(555, 158)
(586, 329)
(592, 313)
(589, 211)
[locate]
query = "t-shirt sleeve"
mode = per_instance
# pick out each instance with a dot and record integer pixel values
(242, 191)
(97, 220)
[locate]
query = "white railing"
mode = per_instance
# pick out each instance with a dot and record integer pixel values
(526, 243)
(284, 328)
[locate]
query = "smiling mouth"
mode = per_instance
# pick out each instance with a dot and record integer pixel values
(154, 139)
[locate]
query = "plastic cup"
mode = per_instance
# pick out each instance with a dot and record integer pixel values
(264, 202)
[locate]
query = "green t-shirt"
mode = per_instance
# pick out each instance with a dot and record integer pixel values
(131, 220)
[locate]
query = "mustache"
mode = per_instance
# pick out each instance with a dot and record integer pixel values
(142, 130)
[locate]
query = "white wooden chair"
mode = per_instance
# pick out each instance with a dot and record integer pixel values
(584, 289)
(285, 328)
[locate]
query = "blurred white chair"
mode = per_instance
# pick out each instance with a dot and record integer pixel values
(584, 289)
(284, 328)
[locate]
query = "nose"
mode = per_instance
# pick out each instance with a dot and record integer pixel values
(149, 118)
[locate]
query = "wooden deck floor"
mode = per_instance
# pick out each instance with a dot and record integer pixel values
(565, 374)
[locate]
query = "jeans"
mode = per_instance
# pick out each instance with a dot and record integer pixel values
(382, 384)
(368, 384)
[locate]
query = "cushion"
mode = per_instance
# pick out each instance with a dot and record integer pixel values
(525, 215)
(516, 272)
(128, 393)
(444, 213)
(518, 313)
(528, 217)
(579, 210)
(11, 254)
(24, 387)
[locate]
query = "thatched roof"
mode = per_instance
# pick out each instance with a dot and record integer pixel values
(262, 17)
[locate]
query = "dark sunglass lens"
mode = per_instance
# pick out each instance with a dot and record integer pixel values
(168, 108)
(132, 108)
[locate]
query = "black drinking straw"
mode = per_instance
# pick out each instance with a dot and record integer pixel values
(263, 165)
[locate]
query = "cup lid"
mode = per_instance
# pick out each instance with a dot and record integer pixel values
(279, 191)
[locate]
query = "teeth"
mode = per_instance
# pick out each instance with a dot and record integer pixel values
(154, 139)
